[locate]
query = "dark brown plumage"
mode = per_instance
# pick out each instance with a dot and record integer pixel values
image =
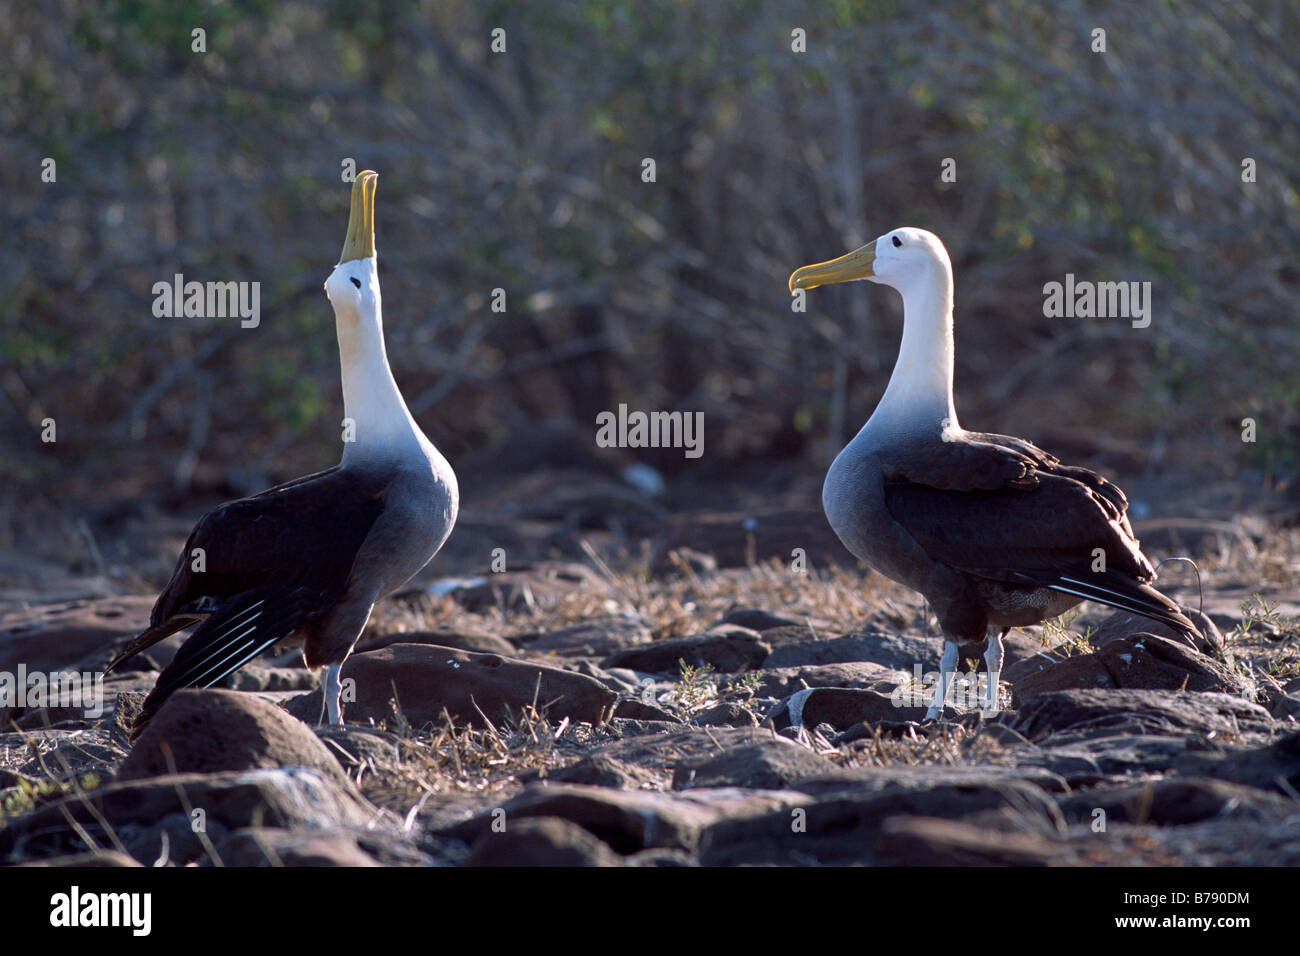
(262, 570)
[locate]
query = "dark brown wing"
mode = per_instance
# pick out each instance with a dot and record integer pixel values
(1046, 462)
(976, 462)
(1055, 526)
(1058, 525)
(257, 569)
(308, 529)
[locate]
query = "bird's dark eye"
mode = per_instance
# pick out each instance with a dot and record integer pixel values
(356, 282)
(897, 241)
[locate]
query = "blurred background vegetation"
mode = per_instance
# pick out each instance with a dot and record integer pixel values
(522, 170)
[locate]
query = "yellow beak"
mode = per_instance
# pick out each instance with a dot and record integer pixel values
(360, 243)
(856, 265)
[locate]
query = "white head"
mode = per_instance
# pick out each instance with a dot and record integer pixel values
(353, 291)
(906, 259)
(918, 399)
(353, 286)
(382, 427)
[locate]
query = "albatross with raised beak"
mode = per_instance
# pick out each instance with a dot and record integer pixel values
(305, 562)
(992, 530)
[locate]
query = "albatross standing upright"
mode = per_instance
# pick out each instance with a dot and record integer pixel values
(992, 530)
(306, 561)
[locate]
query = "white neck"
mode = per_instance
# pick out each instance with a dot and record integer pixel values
(383, 427)
(919, 395)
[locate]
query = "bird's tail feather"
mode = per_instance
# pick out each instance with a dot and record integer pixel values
(1121, 592)
(151, 637)
(225, 642)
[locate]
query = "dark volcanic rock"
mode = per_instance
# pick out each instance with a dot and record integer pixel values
(1139, 753)
(255, 677)
(262, 846)
(139, 812)
(354, 746)
(618, 679)
(660, 856)
(784, 681)
(636, 727)
(541, 841)
(1138, 662)
(1175, 801)
(841, 707)
(729, 649)
(592, 637)
(790, 634)
(768, 764)
(481, 642)
(858, 782)
(727, 714)
(927, 841)
(1083, 670)
(636, 709)
(1122, 625)
(1284, 706)
(207, 731)
(1100, 713)
(627, 820)
(1224, 843)
(90, 702)
(600, 770)
(74, 635)
(38, 718)
(428, 679)
(129, 703)
(1274, 767)
(1076, 766)
(844, 829)
(895, 651)
(659, 746)
(757, 620)
(94, 858)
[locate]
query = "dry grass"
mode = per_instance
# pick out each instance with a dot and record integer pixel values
(832, 601)
(479, 759)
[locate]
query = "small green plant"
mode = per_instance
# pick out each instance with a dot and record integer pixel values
(1064, 641)
(29, 793)
(1256, 612)
(745, 686)
(695, 688)
(1283, 668)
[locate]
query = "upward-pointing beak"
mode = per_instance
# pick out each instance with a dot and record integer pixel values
(360, 243)
(856, 265)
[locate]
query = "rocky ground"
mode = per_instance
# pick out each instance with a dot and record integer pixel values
(697, 701)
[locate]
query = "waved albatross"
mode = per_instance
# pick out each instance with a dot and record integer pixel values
(992, 530)
(305, 562)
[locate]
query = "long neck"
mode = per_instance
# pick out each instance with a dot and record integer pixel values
(919, 394)
(382, 427)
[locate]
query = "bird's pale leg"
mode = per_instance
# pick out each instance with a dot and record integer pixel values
(947, 667)
(333, 690)
(993, 654)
